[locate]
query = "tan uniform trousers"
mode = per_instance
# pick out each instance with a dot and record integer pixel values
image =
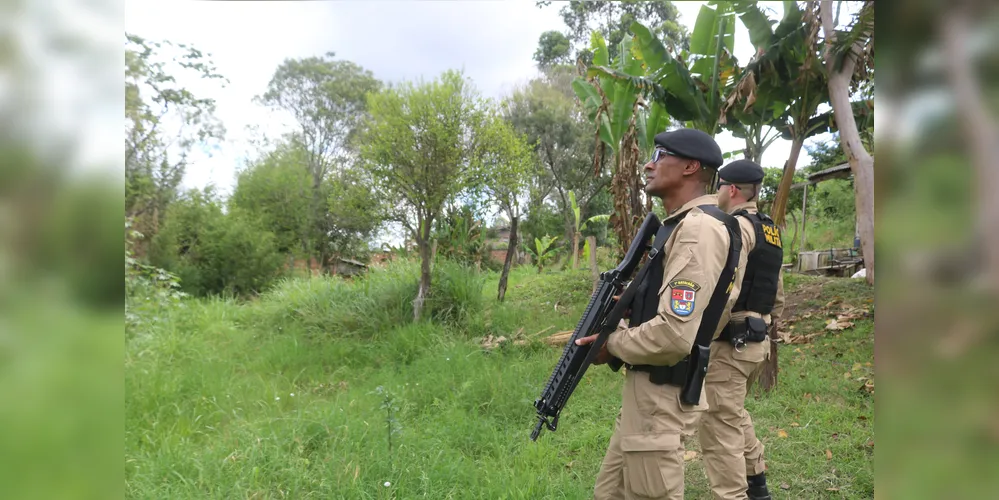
(645, 455)
(729, 445)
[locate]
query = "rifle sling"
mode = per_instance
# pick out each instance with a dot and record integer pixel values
(615, 315)
(716, 305)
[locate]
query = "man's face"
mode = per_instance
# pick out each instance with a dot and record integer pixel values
(663, 173)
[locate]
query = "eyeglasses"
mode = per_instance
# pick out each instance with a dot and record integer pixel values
(657, 154)
(723, 183)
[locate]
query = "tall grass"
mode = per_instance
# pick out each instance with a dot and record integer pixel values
(326, 388)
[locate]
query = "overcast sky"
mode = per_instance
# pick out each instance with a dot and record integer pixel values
(493, 41)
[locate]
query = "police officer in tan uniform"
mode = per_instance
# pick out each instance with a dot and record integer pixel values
(733, 456)
(645, 456)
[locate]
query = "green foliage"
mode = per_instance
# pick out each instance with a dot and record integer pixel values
(460, 237)
(771, 180)
(542, 251)
(553, 48)
(76, 236)
(328, 99)
(276, 191)
(541, 220)
(369, 306)
(825, 155)
(149, 290)
(611, 21)
(213, 252)
(545, 112)
(163, 122)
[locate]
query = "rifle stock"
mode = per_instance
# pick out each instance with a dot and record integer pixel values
(601, 316)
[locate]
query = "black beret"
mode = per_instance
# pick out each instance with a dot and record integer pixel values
(742, 172)
(691, 143)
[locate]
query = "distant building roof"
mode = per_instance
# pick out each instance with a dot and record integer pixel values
(841, 171)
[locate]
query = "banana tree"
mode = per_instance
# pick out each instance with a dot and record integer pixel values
(781, 89)
(543, 251)
(691, 86)
(625, 123)
(579, 228)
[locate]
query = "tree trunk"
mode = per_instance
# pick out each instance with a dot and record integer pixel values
(981, 135)
(861, 163)
(575, 251)
(767, 377)
(621, 217)
(511, 250)
(592, 240)
(424, 290)
(784, 189)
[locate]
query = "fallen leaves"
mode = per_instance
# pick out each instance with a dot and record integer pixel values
(836, 320)
(828, 455)
(689, 455)
(785, 486)
(868, 387)
(837, 324)
(781, 433)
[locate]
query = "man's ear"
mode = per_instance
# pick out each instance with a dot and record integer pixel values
(692, 167)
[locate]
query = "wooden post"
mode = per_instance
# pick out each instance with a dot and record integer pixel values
(592, 241)
(804, 212)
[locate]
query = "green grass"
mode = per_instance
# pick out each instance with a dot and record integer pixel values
(299, 393)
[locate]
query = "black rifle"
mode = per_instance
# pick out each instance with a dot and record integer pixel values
(601, 316)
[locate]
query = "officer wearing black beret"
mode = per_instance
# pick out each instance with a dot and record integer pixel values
(691, 143)
(700, 248)
(728, 439)
(745, 175)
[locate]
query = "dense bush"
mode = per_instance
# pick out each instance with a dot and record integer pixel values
(213, 252)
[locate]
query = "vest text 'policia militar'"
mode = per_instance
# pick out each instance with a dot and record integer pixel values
(759, 285)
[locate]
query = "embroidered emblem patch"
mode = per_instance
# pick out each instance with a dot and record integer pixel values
(682, 296)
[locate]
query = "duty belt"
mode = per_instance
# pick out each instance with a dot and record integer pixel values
(660, 375)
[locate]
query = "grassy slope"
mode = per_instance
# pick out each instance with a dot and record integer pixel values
(210, 410)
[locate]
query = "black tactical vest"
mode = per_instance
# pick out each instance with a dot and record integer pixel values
(759, 286)
(645, 305)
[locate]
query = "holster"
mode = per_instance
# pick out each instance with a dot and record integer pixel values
(738, 333)
(697, 369)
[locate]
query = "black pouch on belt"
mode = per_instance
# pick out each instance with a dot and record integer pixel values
(756, 329)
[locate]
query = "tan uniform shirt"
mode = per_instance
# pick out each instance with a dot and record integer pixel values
(748, 242)
(695, 256)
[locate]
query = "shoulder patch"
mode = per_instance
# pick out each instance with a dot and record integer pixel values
(682, 294)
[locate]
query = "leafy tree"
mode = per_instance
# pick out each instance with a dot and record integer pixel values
(824, 155)
(422, 146)
(509, 163)
(544, 111)
(554, 48)
(612, 20)
(327, 98)
(276, 190)
(163, 121)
